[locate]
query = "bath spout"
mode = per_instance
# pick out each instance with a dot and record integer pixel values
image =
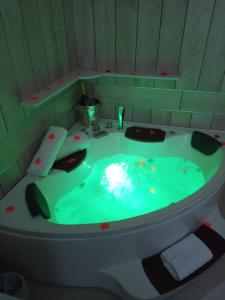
(121, 110)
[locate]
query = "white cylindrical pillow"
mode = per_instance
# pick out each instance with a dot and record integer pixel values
(73, 143)
(47, 152)
(185, 257)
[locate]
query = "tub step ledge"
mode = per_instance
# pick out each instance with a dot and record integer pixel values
(133, 283)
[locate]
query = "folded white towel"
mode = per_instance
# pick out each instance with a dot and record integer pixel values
(185, 257)
(47, 152)
(74, 142)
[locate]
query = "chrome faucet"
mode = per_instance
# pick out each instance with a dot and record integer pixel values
(121, 110)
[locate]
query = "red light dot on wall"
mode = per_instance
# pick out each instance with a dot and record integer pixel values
(151, 132)
(61, 81)
(137, 130)
(38, 161)
(51, 136)
(223, 143)
(104, 225)
(76, 137)
(163, 73)
(206, 223)
(10, 209)
(48, 88)
(34, 98)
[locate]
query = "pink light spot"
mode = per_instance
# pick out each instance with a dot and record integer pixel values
(38, 161)
(137, 130)
(163, 73)
(10, 209)
(223, 143)
(104, 225)
(51, 136)
(61, 81)
(153, 168)
(34, 98)
(71, 160)
(48, 88)
(152, 190)
(76, 74)
(141, 163)
(76, 137)
(151, 132)
(206, 223)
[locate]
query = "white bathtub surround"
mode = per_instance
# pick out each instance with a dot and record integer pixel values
(185, 257)
(74, 142)
(104, 256)
(47, 152)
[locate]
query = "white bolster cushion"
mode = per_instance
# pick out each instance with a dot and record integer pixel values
(73, 143)
(185, 257)
(47, 152)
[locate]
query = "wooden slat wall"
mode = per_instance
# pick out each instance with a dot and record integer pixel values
(42, 40)
(38, 46)
(85, 33)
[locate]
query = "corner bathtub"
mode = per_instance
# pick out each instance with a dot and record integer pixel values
(77, 255)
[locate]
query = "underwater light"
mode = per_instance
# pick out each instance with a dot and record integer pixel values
(116, 178)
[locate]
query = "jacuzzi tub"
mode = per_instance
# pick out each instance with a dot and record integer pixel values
(77, 255)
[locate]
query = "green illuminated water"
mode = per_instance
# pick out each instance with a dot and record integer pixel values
(125, 186)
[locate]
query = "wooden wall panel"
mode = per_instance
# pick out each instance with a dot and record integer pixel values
(138, 97)
(66, 102)
(105, 34)
(171, 35)
(180, 118)
(198, 20)
(148, 35)
(141, 115)
(126, 26)
(161, 117)
(108, 111)
(214, 61)
(68, 120)
(23, 136)
(199, 120)
(223, 84)
(202, 102)
(14, 28)
(33, 35)
(60, 33)
(9, 91)
(218, 122)
(68, 8)
(49, 39)
(85, 33)
(10, 177)
(3, 128)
